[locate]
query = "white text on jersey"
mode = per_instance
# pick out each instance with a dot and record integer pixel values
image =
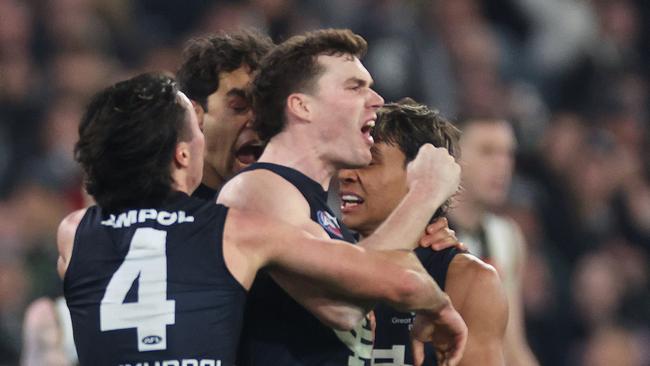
(165, 218)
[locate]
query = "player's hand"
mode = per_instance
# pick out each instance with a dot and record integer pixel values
(434, 172)
(439, 236)
(446, 331)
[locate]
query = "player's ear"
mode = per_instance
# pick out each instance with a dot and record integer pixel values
(298, 105)
(182, 154)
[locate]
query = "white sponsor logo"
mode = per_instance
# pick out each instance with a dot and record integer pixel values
(131, 217)
(183, 362)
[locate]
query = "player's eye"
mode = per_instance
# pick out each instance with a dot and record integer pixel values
(239, 106)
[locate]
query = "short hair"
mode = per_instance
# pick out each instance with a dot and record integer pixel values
(291, 67)
(408, 125)
(204, 58)
(127, 139)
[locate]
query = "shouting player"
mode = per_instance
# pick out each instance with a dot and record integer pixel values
(152, 275)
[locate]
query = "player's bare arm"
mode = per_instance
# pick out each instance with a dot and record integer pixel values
(476, 291)
(433, 176)
(395, 277)
(266, 193)
(65, 239)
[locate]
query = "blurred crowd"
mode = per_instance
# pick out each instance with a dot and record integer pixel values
(571, 75)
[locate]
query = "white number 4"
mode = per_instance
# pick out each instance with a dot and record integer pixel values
(147, 262)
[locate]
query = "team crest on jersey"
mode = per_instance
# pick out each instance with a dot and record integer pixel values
(329, 223)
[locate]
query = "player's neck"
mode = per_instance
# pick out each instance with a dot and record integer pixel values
(467, 214)
(211, 178)
(180, 183)
(364, 233)
(300, 154)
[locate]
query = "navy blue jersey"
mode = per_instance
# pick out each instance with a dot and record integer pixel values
(150, 287)
(392, 339)
(205, 193)
(277, 330)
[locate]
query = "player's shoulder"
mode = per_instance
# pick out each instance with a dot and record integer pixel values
(467, 271)
(69, 224)
(247, 224)
(65, 238)
(471, 265)
(258, 234)
(477, 292)
(241, 222)
(263, 191)
(255, 182)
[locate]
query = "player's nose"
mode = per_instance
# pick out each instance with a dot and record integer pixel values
(375, 100)
(250, 118)
(347, 176)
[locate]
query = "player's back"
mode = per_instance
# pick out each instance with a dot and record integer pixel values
(150, 285)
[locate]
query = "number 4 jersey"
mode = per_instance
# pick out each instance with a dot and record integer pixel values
(150, 287)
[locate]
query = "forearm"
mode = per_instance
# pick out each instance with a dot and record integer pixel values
(406, 224)
(334, 310)
(355, 277)
(419, 291)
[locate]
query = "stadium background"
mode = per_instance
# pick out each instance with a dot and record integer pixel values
(571, 75)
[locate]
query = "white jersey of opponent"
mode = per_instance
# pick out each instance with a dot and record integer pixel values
(504, 243)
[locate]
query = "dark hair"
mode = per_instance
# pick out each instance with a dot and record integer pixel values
(204, 58)
(293, 67)
(127, 138)
(408, 125)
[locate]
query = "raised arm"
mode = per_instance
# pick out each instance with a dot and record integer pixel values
(433, 176)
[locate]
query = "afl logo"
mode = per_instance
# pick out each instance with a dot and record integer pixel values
(152, 339)
(329, 223)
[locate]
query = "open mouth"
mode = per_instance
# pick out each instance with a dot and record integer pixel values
(249, 152)
(366, 131)
(368, 127)
(349, 201)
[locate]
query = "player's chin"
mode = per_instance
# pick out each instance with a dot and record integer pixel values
(362, 159)
(348, 220)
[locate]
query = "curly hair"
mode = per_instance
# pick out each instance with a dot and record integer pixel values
(127, 138)
(291, 67)
(408, 125)
(204, 58)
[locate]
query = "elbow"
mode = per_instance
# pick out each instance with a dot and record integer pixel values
(342, 319)
(347, 322)
(412, 291)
